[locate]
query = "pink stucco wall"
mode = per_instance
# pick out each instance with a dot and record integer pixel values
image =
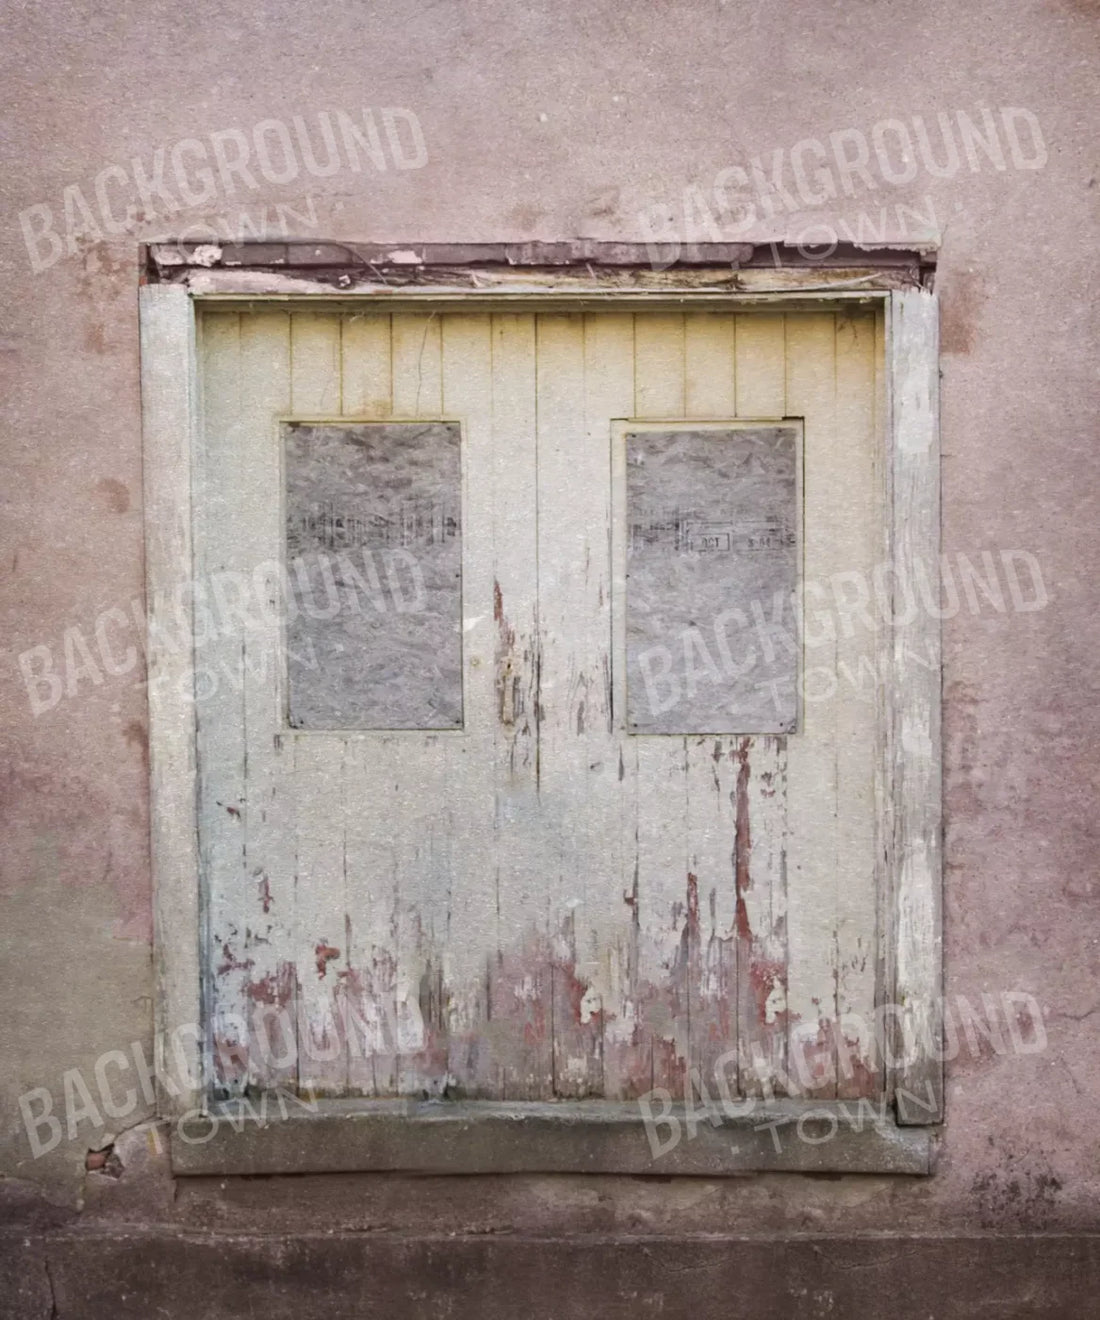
(558, 122)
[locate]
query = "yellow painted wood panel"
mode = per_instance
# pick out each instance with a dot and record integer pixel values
(366, 366)
(539, 905)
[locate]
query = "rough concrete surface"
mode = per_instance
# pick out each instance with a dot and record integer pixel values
(552, 122)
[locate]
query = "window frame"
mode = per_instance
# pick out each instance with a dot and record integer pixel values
(565, 1136)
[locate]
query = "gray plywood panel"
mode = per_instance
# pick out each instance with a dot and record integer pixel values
(712, 554)
(374, 564)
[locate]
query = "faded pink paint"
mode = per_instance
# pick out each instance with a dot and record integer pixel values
(1018, 409)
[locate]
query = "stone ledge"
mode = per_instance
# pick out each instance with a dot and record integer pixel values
(480, 1137)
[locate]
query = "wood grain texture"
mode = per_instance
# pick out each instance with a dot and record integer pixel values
(915, 729)
(613, 934)
(317, 788)
(169, 437)
(858, 722)
(576, 750)
(470, 955)
(521, 981)
(265, 901)
(711, 948)
(664, 894)
(537, 905)
(222, 567)
(757, 769)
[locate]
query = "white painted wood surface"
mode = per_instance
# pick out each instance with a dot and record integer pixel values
(169, 434)
(538, 905)
(915, 765)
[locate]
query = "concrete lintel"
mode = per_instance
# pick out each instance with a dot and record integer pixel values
(410, 263)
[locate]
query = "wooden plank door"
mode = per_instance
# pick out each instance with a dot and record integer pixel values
(444, 850)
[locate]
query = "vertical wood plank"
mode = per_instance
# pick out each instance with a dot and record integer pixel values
(666, 903)
(813, 858)
(471, 947)
(374, 1020)
(884, 816)
(709, 953)
(915, 749)
(170, 435)
(759, 797)
(220, 568)
(709, 365)
(420, 794)
(366, 366)
(612, 924)
(659, 378)
(417, 365)
(762, 802)
(266, 899)
(576, 754)
(314, 363)
(520, 985)
(760, 364)
(321, 952)
(858, 538)
(423, 888)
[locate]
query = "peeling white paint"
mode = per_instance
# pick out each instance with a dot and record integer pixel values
(775, 1004)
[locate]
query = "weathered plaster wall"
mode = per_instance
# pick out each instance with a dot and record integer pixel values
(555, 122)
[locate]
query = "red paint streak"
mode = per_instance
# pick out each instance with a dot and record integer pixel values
(498, 602)
(264, 991)
(265, 893)
(325, 954)
(813, 1070)
(764, 976)
(575, 989)
(275, 988)
(534, 1031)
(231, 963)
(235, 812)
(742, 842)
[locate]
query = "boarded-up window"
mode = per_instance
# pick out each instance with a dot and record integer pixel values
(711, 555)
(542, 904)
(374, 575)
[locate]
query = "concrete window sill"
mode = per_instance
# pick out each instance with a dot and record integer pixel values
(470, 1137)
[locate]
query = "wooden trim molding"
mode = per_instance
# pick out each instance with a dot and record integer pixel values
(585, 268)
(169, 391)
(915, 937)
(417, 260)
